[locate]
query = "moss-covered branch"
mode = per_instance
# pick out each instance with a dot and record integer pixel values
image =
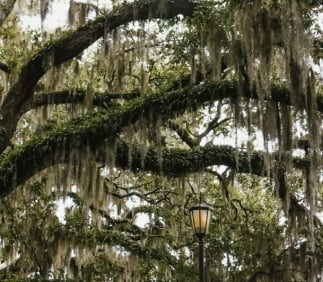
(52, 147)
(72, 44)
(21, 165)
(76, 96)
(216, 90)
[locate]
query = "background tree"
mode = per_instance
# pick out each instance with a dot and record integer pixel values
(126, 112)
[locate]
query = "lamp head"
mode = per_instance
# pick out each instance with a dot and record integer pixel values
(200, 218)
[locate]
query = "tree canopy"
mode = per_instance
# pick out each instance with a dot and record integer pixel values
(117, 117)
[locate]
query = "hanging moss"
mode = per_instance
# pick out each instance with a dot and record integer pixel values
(97, 126)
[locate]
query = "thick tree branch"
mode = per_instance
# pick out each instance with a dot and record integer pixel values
(73, 44)
(76, 96)
(228, 89)
(17, 168)
(95, 128)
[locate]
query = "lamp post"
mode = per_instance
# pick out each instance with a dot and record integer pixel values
(200, 217)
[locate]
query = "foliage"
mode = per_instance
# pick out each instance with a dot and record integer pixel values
(113, 125)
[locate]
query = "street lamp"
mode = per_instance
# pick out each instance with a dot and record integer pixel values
(200, 217)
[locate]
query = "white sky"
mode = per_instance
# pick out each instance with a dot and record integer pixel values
(57, 15)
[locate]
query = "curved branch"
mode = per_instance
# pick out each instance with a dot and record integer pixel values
(18, 167)
(73, 44)
(94, 129)
(76, 96)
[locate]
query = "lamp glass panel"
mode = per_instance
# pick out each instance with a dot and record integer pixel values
(200, 220)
